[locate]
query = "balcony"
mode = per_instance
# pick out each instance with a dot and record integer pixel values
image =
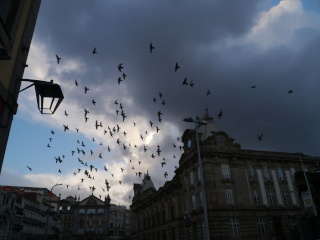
(33, 221)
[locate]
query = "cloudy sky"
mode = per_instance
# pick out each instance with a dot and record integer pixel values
(220, 46)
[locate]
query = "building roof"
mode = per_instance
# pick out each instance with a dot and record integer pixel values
(210, 128)
(147, 183)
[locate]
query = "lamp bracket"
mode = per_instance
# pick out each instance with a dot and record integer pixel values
(33, 81)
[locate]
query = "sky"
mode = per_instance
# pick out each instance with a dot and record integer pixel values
(258, 59)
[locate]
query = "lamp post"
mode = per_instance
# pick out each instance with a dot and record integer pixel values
(46, 90)
(46, 232)
(203, 188)
(306, 179)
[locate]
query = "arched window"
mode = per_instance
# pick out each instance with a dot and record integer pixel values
(158, 218)
(172, 212)
(163, 216)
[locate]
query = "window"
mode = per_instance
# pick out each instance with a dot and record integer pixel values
(280, 174)
(225, 171)
(194, 202)
(229, 196)
(251, 173)
(262, 225)
(256, 198)
(172, 212)
(200, 199)
(266, 173)
(234, 227)
(292, 171)
(271, 197)
(185, 181)
(163, 216)
(285, 197)
(191, 178)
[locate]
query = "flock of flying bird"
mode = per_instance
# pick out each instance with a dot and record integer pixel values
(86, 171)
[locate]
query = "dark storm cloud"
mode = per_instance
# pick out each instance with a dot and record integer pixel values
(185, 32)
(211, 42)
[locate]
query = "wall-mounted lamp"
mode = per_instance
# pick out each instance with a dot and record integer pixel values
(47, 92)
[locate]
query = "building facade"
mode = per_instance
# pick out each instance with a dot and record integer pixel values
(249, 194)
(91, 218)
(119, 222)
(17, 23)
(157, 214)
(34, 217)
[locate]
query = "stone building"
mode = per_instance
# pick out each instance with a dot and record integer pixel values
(90, 218)
(119, 222)
(157, 214)
(66, 217)
(250, 194)
(7, 214)
(17, 23)
(34, 217)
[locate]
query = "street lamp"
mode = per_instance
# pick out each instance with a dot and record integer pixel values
(203, 189)
(306, 179)
(58, 184)
(46, 91)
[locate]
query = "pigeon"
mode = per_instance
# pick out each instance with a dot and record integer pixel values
(151, 47)
(58, 58)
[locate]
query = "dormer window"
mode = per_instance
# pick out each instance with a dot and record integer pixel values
(221, 141)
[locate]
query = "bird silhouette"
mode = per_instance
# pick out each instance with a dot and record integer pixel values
(185, 82)
(66, 128)
(176, 67)
(260, 136)
(94, 102)
(120, 67)
(208, 92)
(76, 83)
(58, 58)
(290, 91)
(151, 47)
(29, 168)
(94, 51)
(86, 90)
(220, 114)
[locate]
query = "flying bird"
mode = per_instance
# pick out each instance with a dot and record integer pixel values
(29, 168)
(220, 114)
(176, 67)
(260, 136)
(58, 58)
(185, 82)
(253, 86)
(151, 47)
(120, 67)
(208, 92)
(76, 82)
(94, 51)
(66, 127)
(290, 91)
(86, 90)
